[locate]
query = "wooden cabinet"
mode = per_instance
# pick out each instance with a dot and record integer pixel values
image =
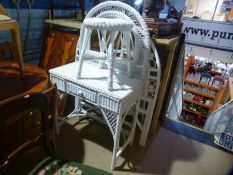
(170, 51)
(59, 49)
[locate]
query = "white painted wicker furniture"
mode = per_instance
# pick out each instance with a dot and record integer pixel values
(114, 29)
(132, 100)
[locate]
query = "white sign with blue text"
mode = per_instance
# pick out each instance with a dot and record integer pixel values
(209, 33)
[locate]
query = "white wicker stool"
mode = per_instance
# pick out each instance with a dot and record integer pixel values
(108, 50)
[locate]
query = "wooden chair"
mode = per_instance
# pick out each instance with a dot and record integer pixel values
(6, 46)
(25, 144)
(52, 94)
(8, 24)
(3, 10)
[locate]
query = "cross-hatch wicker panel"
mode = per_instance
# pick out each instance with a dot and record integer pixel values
(111, 119)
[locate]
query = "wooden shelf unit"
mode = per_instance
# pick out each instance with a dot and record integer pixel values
(197, 92)
(212, 97)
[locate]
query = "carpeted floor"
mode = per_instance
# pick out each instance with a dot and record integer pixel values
(189, 131)
(165, 153)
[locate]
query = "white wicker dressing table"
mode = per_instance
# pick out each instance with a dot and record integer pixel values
(132, 100)
(113, 104)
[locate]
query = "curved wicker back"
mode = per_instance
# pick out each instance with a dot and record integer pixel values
(116, 9)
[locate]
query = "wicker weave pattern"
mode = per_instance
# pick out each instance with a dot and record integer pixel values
(130, 96)
(112, 33)
(108, 103)
(108, 24)
(116, 9)
(149, 98)
(93, 86)
(111, 119)
(60, 82)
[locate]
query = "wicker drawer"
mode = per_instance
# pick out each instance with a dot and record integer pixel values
(58, 81)
(108, 103)
(74, 89)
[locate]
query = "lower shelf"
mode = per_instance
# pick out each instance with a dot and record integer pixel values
(192, 119)
(197, 113)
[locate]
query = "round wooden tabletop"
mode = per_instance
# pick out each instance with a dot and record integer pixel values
(35, 79)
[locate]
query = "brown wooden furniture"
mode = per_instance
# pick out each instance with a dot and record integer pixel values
(25, 143)
(22, 120)
(11, 83)
(3, 10)
(59, 49)
(6, 46)
(167, 53)
(207, 95)
(52, 94)
(14, 29)
(200, 97)
(60, 42)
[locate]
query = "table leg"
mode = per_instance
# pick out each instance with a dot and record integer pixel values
(116, 139)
